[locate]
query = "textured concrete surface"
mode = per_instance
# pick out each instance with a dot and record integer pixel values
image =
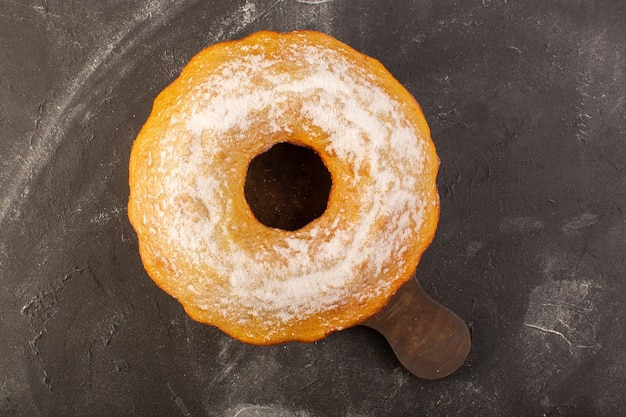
(526, 105)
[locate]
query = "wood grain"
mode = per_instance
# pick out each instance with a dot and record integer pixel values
(429, 340)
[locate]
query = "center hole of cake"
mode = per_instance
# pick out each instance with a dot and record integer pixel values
(288, 186)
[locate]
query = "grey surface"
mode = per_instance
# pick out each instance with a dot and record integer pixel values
(526, 105)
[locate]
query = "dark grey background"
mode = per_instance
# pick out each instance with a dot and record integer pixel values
(526, 102)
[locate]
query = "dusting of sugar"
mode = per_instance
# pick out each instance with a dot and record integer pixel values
(362, 126)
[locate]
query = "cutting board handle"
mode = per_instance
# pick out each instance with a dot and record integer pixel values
(428, 339)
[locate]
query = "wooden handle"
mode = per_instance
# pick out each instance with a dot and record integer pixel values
(428, 339)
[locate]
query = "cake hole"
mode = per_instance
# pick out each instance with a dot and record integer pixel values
(287, 187)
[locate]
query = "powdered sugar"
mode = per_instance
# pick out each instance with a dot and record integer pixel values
(315, 96)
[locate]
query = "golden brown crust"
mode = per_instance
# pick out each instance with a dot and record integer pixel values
(187, 173)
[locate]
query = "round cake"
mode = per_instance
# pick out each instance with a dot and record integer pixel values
(200, 241)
